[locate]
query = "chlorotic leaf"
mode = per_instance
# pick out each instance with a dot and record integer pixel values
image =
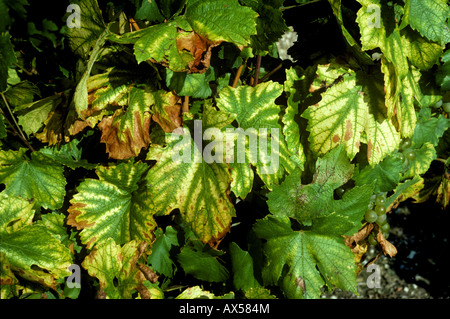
(197, 292)
(110, 262)
(347, 110)
(26, 245)
(117, 206)
(197, 188)
(257, 116)
(39, 179)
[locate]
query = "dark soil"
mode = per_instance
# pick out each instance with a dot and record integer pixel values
(419, 270)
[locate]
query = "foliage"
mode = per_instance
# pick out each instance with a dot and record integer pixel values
(136, 143)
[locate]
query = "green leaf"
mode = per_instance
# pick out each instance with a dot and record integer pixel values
(243, 269)
(385, 175)
(110, 262)
(7, 57)
(83, 39)
(116, 206)
(149, 11)
(349, 109)
(159, 42)
(429, 17)
(443, 74)
(160, 256)
(429, 129)
(222, 20)
(307, 202)
(68, 154)
(195, 85)
(420, 165)
(270, 25)
(202, 265)
(301, 262)
(39, 179)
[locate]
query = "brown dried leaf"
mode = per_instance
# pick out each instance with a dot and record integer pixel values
(200, 48)
(387, 247)
(167, 112)
(124, 144)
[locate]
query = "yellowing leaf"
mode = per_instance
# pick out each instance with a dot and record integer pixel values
(115, 267)
(117, 205)
(351, 113)
(198, 189)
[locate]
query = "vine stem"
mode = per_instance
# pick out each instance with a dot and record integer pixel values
(185, 106)
(238, 75)
(258, 66)
(271, 72)
(17, 131)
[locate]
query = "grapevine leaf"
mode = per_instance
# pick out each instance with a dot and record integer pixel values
(116, 205)
(347, 110)
(19, 214)
(40, 178)
(270, 25)
(26, 245)
(80, 97)
(222, 20)
(257, 114)
(125, 133)
(420, 165)
(167, 110)
(198, 293)
(385, 175)
(9, 287)
(202, 265)
(68, 155)
(429, 129)
(33, 115)
(83, 39)
(195, 85)
(405, 190)
(160, 256)
(301, 262)
(429, 17)
(422, 53)
(7, 57)
(197, 188)
(243, 269)
(110, 262)
(376, 22)
(443, 74)
(307, 202)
